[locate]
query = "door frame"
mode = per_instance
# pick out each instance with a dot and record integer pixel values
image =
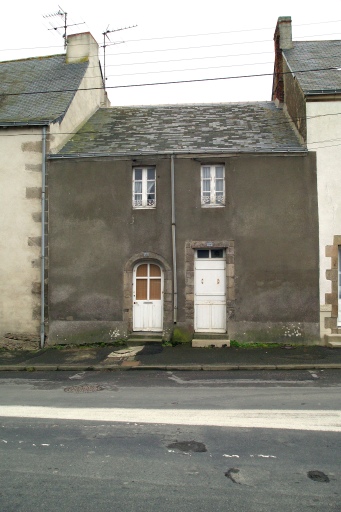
(190, 248)
(127, 292)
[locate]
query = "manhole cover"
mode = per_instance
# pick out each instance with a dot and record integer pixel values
(188, 446)
(318, 476)
(84, 389)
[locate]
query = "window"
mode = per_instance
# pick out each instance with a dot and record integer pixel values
(212, 185)
(144, 187)
(210, 253)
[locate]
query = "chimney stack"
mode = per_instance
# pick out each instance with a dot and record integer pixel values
(284, 32)
(81, 47)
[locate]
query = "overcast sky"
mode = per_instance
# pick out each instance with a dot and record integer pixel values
(175, 41)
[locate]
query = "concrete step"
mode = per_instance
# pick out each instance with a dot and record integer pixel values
(210, 342)
(209, 336)
(333, 340)
(140, 338)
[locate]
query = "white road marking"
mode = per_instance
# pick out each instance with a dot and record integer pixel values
(79, 375)
(313, 374)
(231, 456)
(233, 382)
(323, 420)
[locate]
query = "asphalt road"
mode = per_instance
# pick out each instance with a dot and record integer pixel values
(150, 441)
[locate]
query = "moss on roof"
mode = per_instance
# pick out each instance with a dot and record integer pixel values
(250, 127)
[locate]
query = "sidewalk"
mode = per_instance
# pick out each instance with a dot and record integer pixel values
(181, 357)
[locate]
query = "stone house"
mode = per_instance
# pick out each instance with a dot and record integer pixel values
(43, 101)
(199, 218)
(307, 84)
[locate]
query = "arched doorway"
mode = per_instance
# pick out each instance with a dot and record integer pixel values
(147, 297)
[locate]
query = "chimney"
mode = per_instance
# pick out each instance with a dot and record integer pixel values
(284, 33)
(81, 47)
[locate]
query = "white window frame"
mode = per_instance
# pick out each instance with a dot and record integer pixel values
(145, 201)
(210, 197)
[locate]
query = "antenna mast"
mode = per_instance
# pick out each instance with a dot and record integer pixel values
(105, 35)
(63, 15)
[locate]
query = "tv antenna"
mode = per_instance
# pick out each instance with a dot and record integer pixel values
(105, 36)
(63, 15)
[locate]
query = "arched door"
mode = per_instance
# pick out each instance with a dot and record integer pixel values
(148, 297)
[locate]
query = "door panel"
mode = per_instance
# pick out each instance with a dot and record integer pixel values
(148, 298)
(210, 296)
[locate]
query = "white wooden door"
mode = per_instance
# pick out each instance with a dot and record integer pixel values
(209, 296)
(148, 297)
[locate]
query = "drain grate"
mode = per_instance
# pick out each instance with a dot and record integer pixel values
(84, 389)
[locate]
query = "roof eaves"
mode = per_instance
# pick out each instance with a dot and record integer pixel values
(322, 92)
(65, 156)
(24, 123)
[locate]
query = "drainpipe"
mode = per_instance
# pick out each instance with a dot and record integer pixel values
(42, 266)
(175, 283)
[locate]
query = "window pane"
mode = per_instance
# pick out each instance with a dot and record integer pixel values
(141, 289)
(141, 270)
(219, 172)
(155, 270)
(151, 187)
(217, 253)
(155, 289)
(219, 185)
(138, 174)
(206, 172)
(150, 174)
(138, 187)
(206, 186)
(203, 253)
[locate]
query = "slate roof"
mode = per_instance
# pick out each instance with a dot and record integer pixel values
(228, 127)
(37, 90)
(312, 55)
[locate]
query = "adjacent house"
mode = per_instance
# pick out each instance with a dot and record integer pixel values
(199, 218)
(307, 83)
(43, 101)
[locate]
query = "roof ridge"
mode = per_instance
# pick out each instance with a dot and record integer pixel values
(33, 58)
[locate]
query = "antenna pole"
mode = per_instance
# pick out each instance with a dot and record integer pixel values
(65, 26)
(105, 34)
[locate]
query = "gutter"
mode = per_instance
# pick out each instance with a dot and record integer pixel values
(175, 281)
(211, 152)
(16, 124)
(42, 265)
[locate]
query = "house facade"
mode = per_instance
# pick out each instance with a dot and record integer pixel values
(200, 218)
(307, 83)
(42, 102)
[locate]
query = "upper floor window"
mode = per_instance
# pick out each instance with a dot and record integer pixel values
(212, 185)
(144, 187)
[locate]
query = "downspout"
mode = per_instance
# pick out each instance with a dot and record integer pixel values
(42, 266)
(175, 282)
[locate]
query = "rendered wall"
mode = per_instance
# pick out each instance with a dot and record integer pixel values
(270, 221)
(20, 196)
(323, 135)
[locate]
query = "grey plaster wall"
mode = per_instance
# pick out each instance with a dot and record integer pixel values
(270, 214)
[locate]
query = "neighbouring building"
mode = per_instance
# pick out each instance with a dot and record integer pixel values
(307, 83)
(201, 218)
(43, 101)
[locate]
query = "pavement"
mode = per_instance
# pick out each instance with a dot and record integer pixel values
(157, 357)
